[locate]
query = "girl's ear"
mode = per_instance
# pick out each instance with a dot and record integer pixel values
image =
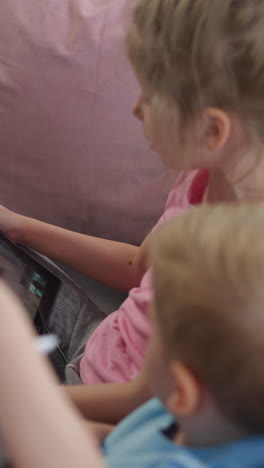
(186, 396)
(217, 129)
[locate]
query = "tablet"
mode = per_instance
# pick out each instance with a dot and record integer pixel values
(34, 285)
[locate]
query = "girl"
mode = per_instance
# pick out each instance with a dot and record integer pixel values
(201, 69)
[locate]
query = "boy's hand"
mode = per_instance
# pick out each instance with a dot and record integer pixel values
(10, 224)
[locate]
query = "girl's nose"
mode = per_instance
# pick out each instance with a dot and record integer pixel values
(137, 110)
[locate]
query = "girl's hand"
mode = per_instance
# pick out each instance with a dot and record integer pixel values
(10, 224)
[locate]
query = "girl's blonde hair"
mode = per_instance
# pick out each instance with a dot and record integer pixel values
(208, 273)
(197, 53)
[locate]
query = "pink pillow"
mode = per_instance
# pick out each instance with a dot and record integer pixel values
(71, 153)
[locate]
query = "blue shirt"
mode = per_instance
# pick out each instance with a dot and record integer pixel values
(139, 442)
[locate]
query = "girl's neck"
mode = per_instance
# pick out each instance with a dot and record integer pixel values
(219, 190)
(239, 182)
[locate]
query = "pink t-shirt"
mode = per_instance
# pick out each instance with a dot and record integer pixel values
(115, 351)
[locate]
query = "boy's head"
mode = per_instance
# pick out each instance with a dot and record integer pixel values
(201, 67)
(208, 314)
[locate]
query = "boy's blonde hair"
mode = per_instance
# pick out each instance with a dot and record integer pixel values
(197, 53)
(208, 273)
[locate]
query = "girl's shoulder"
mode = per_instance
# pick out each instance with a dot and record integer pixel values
(188, 190)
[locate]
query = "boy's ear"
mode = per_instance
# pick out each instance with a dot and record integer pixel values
(217, 129)
(186, 396)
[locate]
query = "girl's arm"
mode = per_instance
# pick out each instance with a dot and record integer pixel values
(38, 425)
(115, 264)
(109, 403)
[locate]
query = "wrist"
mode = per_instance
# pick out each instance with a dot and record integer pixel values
(17, 229)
